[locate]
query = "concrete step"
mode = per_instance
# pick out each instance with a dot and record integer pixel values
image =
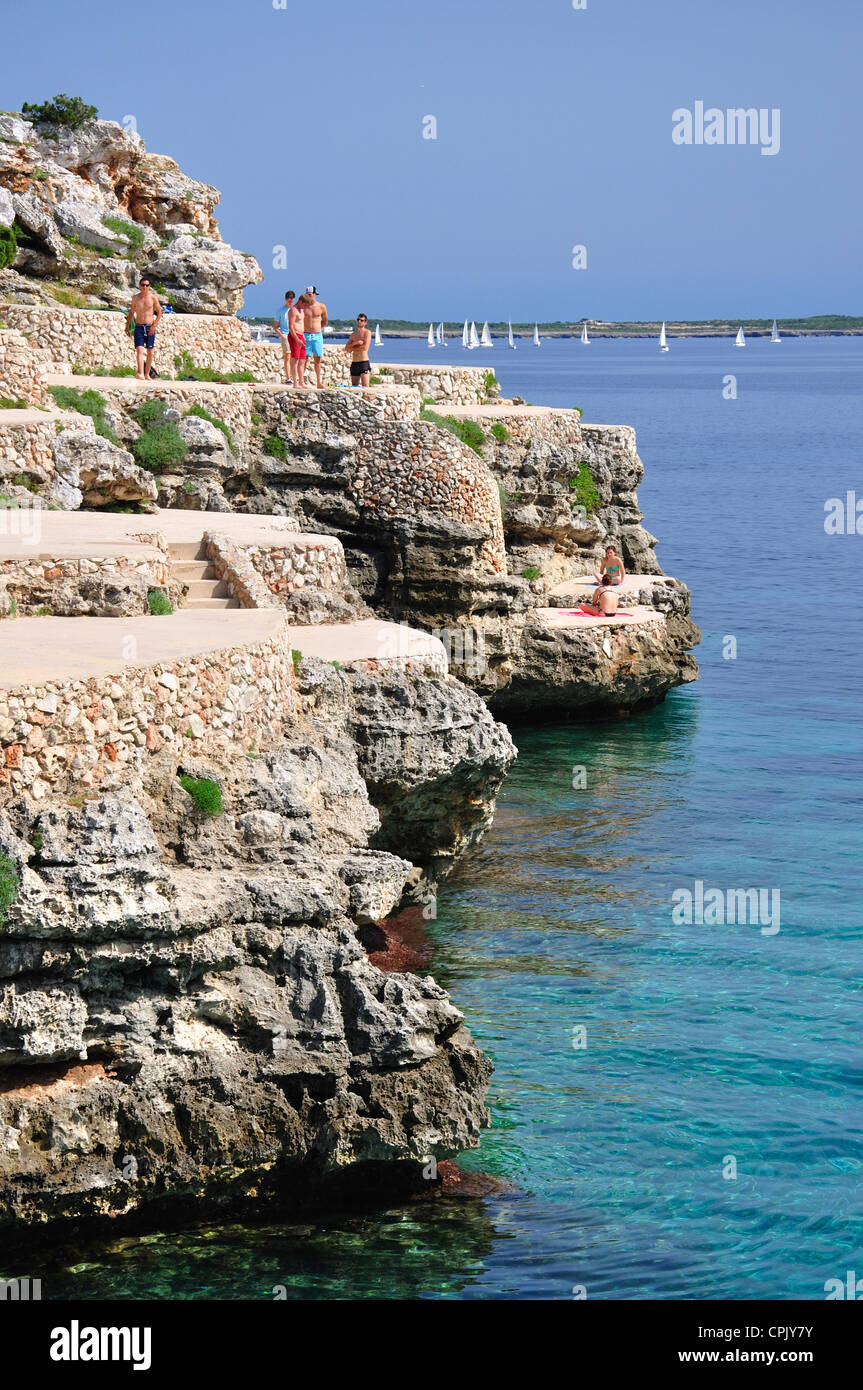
(206, 588)
(199, 603)
(191, 570)
(188, 550)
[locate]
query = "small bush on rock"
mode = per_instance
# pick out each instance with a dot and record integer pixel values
(159, 604)
(206, 794)
(275, 446)
(500, 432)
(69, 112)
(127, 230)
(585, 489)
(8, 246)
(10, 883)
(86, 403)
(530, 572)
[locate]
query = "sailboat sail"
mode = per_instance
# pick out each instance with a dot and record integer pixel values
(663, 345)
(509, 338)
(431, 335)
(485, 337)
(473, 341)
(740, 341)
(465, 336)
(584, 337)
(378, 339)
(536, 337)
(439, 335)
(774, 334)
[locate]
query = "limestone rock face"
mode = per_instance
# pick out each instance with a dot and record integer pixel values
(61, 185)
(100, 471)
(205, 276)
(186, 1006)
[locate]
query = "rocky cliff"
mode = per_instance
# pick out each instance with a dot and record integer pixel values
(187, 1009)
(92, 211)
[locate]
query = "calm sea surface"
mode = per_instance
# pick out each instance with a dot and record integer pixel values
(706, 1048)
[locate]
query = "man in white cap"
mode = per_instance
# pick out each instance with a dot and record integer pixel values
(315, 320)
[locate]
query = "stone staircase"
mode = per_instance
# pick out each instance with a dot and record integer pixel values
(191, 566)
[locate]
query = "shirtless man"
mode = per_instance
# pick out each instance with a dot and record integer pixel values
(282, 327)
(315, 320)
(604, 601)
(145, 314)
(297, 341)
(358, 345)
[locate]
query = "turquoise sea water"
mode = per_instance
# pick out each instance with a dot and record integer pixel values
(703, 1043)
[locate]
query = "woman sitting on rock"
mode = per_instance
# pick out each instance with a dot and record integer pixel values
(612, 566)
(604, 601)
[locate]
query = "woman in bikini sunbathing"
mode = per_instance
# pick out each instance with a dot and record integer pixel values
(612, 566)
(604, 602)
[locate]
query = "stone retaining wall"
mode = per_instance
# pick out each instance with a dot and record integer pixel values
(457, 385)
(111, 586)
(22, 367)
(259, 575)
(28, 448)
(59, 338)
(100, 732)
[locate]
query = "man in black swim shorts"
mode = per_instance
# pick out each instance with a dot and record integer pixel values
(358, 345)
(145, 313)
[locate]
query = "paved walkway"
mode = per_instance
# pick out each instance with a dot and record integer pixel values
(36, 650)
(89, 533)
(368, 640)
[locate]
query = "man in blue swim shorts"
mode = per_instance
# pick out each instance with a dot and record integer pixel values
(145, 314)
(315, 320)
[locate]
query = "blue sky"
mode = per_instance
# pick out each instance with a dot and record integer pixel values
(553, 130)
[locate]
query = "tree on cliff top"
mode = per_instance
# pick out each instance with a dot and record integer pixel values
(71, 112)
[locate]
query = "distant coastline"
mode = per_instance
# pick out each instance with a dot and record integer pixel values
(820, 326)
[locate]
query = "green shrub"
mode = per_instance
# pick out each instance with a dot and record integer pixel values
(159, 604)
(185, 367)
(21, 480)
(127, 230)
(7, 403)
(468, 431)
(376, 381)
(189, 486)
(296, 658)
(43, 612)
(586, 491)
(78, 370)
(160, 448)
(489, 382)
(70, 112)
(206, 794)
(530, 572)
(86, 403)
(8, 246)
(71, 298)
(10, 882)
(578, 410)
(275, 446)
(501, 433)
(202, 414)
(150, 412)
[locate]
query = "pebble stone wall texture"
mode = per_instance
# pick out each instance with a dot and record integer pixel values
(22, 367)
(22, 575)
(100, 732)
(258, 575)
(28, 447)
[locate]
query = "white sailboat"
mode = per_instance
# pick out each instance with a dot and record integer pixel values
(740, 341)
(465, 336)
(441, 340)
(774, 334)
(509, 338)
(485, 336)
(663, 345)
(584, 337)
(431, 335)
(378, 339)
(473, 340)
(536, 337)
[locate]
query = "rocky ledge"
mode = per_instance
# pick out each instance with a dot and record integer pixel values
(91, 210)
(187, 1008)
